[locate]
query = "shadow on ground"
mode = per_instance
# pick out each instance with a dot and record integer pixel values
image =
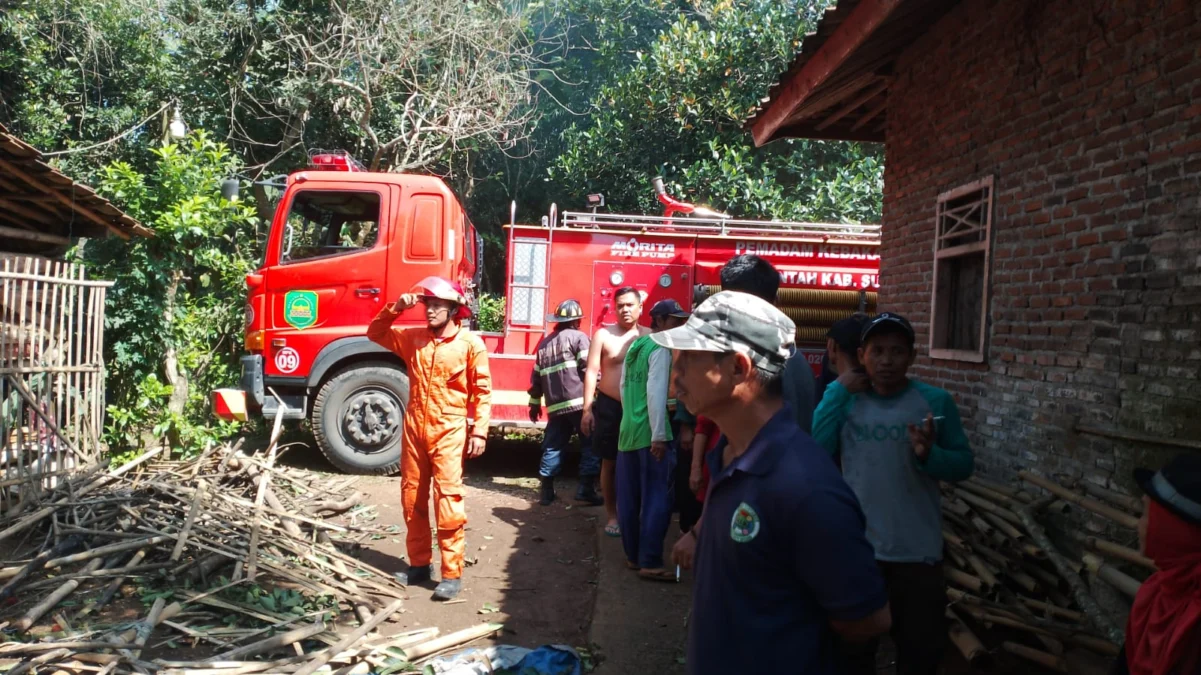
(548, 573)
(532, 568)
(551, 575)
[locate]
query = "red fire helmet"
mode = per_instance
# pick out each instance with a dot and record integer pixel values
(437, 287)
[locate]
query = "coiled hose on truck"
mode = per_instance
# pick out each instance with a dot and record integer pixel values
(813, 310)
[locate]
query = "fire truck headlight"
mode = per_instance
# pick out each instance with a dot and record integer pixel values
(665, 280)
(616, 278)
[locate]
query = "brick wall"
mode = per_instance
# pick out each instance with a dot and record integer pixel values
(1089, 116)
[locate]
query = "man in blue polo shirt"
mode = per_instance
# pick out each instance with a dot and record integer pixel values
(782, 564)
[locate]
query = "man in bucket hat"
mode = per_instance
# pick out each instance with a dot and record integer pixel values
(1163, 633)
(782, 564)
(450, 399)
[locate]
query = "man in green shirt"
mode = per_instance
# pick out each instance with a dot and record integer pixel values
(645, 460)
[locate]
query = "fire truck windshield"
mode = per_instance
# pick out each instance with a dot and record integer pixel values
(329, 222)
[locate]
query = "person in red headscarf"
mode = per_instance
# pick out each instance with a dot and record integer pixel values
(1163, 635)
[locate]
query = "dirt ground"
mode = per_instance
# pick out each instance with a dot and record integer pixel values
(532, 568)
(548, 573)
(536, 569)
(553, 577)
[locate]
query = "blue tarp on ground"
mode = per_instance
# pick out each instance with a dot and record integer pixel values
(508, 660)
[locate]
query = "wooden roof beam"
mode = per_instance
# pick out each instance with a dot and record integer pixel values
(26, 232)
(26, 197)
(872, 113)
(40, 237)
(8, 185)
(43, 217)
(16, 221)
(867, 16)
(851, 107)
(14, 170)
(830, 96)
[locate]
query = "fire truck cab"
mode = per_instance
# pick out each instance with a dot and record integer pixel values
(344, 242)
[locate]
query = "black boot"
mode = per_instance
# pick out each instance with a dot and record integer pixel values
(587, 492)
(448, 589)
(548, 491)
(414, 576)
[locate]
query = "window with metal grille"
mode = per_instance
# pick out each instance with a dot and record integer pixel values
(527, 301)
(959, 305)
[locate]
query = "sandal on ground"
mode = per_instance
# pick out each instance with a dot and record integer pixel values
(658, 575)
(613, 530)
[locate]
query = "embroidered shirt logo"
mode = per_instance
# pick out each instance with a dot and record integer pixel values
(744, 526)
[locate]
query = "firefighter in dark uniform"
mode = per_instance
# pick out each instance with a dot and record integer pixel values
(558, 376)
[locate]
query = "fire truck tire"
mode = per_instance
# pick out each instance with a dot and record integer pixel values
(358, 418)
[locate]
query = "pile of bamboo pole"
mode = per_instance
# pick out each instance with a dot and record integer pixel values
(223, 522)
(1004, 571)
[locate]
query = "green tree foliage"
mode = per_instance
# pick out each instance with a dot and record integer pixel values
(412, 85)
(490, 316)
(678, 108)
(175, 313)
(78, 73)
(536, 101)
(407, 85)
(631, 89)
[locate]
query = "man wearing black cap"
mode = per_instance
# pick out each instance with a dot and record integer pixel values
(898, 438)
(1163, 634)
(842, 353)
(646, 461)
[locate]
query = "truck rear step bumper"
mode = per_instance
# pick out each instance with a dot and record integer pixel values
(251, 398)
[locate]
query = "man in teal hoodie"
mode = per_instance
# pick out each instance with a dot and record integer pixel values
(897, 438)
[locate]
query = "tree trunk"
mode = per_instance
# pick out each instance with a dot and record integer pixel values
(263, 205)
(175, 377)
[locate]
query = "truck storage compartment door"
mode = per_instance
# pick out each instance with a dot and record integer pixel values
(654, 283)
(326, 272)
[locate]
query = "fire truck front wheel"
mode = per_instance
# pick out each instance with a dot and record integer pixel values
(358, 417)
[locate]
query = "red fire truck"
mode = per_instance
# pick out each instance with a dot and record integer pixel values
(344, 242)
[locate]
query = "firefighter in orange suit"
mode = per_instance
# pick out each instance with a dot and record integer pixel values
(450, 398)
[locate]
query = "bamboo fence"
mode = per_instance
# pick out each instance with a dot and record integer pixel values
(51, 373)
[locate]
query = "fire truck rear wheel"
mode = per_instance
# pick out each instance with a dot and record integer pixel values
(358, 418)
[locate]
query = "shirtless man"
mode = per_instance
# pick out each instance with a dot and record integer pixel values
(602, 392)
